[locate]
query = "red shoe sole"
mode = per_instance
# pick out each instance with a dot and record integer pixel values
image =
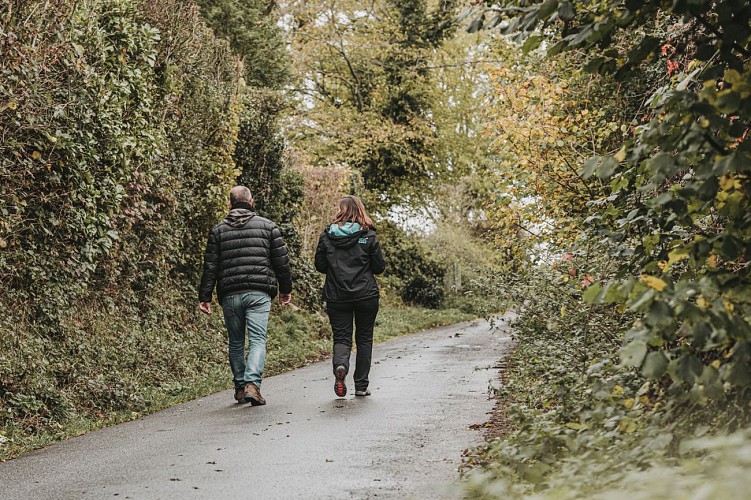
(339, 387)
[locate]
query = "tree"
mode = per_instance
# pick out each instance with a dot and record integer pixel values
(251, 28)
(678, 208)
(365, 91)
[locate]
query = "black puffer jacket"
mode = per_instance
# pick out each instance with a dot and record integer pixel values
(245, 252)
(349, 261)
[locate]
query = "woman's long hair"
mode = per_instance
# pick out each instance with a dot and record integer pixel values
(351, 209)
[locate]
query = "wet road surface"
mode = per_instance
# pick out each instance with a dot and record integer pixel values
(404, 441)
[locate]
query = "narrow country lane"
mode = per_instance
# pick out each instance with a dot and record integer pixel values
(405, 441)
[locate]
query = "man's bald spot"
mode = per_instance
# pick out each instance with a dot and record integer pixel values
(240, 194)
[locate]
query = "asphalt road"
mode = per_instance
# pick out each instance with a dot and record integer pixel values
(404, 441)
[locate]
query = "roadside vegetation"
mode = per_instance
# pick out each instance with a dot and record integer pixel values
(583, 163)
(621, 191)
(123, 124)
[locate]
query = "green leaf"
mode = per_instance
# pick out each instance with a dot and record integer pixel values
(728, 101)
(567, 11)
(736, 373)
(593, 65)
(531, 43)
(711, 384)
(632, 354)
(660, 314)
(655, 365)
(590, 294)
(607, 167)
(645, 47)
(557, 48)
(547, 8)
(588, 169)
(476, 25)
(686, 368)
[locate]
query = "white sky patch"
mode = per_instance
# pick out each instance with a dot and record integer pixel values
(415, 220)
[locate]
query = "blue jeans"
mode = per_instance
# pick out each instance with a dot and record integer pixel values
(247, 310)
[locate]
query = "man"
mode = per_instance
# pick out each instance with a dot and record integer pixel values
(245, 258)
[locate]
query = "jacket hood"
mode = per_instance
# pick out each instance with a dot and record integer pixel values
(346, 235)
(238, 217)
(345, 229)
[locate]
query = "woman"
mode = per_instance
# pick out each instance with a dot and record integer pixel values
(350, 255)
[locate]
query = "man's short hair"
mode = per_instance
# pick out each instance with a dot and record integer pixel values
(240, 194)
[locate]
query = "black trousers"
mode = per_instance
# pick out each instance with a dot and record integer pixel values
(341, 315)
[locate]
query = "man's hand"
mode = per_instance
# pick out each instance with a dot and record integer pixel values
(205, 307)
(285, 298)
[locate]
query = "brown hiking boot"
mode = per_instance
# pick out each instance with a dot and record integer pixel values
(253, 394)
(240, 396)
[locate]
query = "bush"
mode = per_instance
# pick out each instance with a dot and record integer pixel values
(419, 278)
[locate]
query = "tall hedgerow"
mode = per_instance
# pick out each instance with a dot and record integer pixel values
(118, 121)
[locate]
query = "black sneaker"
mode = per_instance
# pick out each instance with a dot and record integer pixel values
(339, 388)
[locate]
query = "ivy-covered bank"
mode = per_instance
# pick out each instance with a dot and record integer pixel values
(123, 125)
(631, 187)
(572, 422)
(118, 120)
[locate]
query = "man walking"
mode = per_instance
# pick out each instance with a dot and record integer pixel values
(245, 258)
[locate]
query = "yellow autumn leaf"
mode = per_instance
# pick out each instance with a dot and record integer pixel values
(12, 105)
(576, 426)
(726, 182)
(653, 282)
(621, 154)
(629, 403)
(729, 307)
(702, 302)
(36, 155)
(677, 255)
(627, 425)
(712, 260)
(617, 390)
(715, 364)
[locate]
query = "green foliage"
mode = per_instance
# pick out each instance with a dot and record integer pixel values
(116, 157)
(670, 217)
(570, 411)
(250, 27)
(259, 155)
(366, 92)
(416, 275)
(690, 240)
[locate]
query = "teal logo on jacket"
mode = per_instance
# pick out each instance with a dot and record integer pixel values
(362, 241)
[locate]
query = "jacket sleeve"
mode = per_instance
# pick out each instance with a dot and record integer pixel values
(321, 262)
(377, 262)
(210, 269)
(280, 261)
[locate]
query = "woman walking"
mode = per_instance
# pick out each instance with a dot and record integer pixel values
(350, 255)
